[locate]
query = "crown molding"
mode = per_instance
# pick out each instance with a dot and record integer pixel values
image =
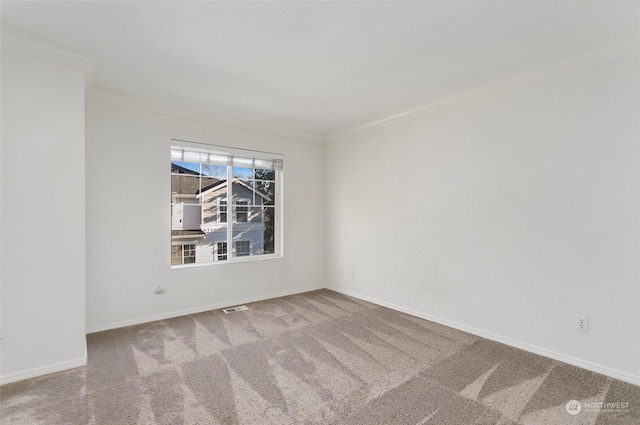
(44, 49)
(120, 99)
(495, 86)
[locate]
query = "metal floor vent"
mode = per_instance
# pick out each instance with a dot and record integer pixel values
(236, 308)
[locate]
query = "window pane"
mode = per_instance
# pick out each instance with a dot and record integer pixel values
(189, 168)
(269, 230)
(215, 171)
(242, 173)
(256, 216)
(222, 248)
(259, 174)
(266, 190)
(243, 248)
(208, 247)
(222, 251)
(258, 233)
(242, 211)
(188, 179)
(184, 187)
(223, 211)
(214, 206)
(209, 183)
(189, 254)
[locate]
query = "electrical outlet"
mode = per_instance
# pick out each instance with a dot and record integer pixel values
(353, 273)
(582, 323)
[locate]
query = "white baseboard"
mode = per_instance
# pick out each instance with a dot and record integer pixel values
(613, 373)
(44, 370)
(172, 314)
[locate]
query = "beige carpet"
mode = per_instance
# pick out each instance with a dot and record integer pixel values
(314, 358)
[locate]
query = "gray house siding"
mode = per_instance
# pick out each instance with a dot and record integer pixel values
(207, 247)
(210, 206)
(206, 215)
(211, 210)
(204, 250)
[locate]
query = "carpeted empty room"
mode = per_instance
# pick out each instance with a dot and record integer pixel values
(428, 212)
(314, 358)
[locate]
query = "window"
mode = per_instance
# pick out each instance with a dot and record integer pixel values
(183, 254)
(223, 198)
(243, 248)
(222, 251)
(222, 210)
(242, 211)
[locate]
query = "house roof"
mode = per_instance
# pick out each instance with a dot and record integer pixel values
(223, 183)
(175, 168)
(187, 185)
(211, 186)
(187, 234)
(184, 181)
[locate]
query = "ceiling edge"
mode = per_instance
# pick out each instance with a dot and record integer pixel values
(108, 96)
(44, 49)
(492, 87)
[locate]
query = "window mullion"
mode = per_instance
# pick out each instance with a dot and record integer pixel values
(229, 212)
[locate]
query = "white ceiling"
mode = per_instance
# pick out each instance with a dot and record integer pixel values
(318, 67)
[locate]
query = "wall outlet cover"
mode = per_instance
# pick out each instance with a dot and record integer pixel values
(582, 323)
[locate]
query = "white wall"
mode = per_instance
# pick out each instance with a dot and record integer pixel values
(507, 216)
(128, 249)
(43, 221)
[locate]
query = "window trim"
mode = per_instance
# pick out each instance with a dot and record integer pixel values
(231, 260)
(277, 206)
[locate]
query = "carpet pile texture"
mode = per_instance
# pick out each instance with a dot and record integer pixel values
(313, 358)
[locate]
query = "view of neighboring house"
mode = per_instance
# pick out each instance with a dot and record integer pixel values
(200, 214)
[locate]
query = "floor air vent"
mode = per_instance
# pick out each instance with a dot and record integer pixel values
(236, 308)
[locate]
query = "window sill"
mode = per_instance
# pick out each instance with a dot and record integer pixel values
(246, 259)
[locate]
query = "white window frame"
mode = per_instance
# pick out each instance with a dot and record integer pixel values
(242, 155)
(182, 256)
(226, 251)
(248, 253)
(193, 250)
(222, 203)
(247, 212)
